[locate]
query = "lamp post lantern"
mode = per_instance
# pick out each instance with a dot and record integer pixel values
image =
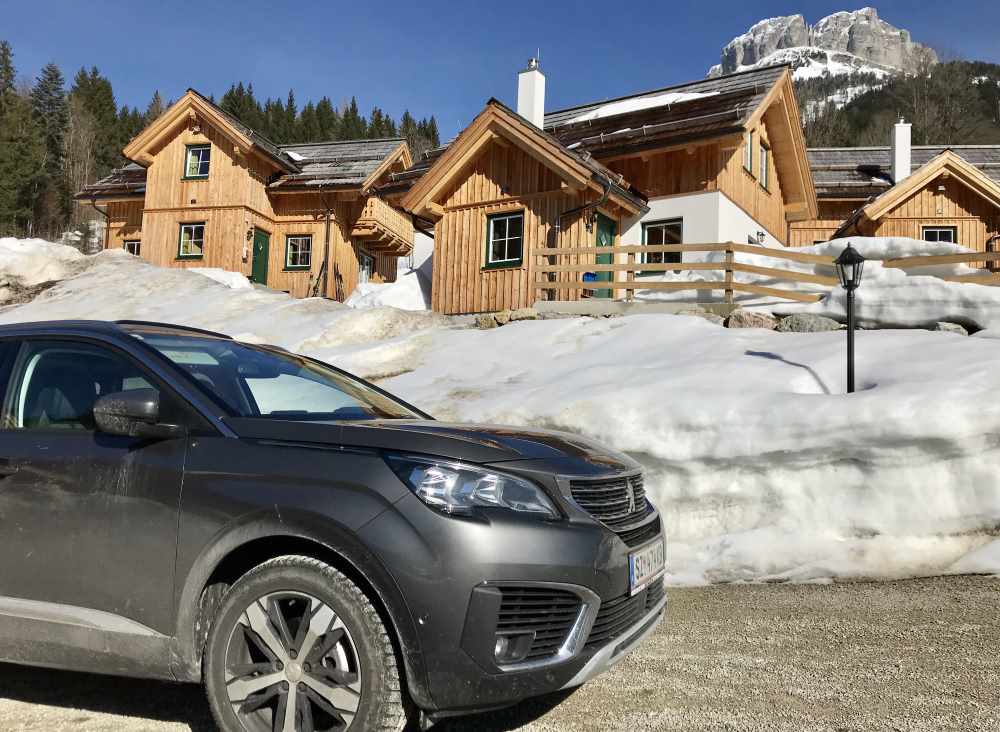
(850, 263)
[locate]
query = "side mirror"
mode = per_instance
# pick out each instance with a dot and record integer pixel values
(133, 413)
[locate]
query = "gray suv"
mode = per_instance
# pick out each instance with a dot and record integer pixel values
(319, 554)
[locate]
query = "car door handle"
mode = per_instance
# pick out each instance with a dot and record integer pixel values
(6, 468)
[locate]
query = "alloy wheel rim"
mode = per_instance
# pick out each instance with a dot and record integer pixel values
(292, 666)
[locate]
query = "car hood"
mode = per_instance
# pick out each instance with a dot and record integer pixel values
(468, 442)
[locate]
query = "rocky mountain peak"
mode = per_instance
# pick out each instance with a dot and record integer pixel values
(840, 43)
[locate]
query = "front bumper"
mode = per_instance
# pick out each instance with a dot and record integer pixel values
(443, 564)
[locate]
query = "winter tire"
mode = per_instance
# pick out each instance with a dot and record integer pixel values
(297, 647)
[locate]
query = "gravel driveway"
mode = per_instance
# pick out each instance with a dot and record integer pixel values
(914, 655)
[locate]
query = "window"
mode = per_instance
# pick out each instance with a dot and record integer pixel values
(196, 161)
(366, 266)
(248, 381)
(58, 383)
(748, 152)
(656, 233)
(765, 158)
(941, 233)
(132, 246)
(298, 252)
(192, 241)
(505, 240)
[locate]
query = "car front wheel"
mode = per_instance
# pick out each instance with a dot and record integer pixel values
(297, 647)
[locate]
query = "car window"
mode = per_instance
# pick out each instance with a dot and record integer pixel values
(249, 381)
(56, 384)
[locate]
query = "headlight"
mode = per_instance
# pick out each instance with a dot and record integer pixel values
(456, 488)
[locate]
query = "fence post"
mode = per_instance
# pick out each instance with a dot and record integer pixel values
(729, 274)
(630, 277)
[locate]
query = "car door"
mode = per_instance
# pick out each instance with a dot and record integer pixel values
(88, 520)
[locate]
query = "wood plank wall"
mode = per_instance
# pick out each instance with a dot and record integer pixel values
(712, 168)
(232, 201)
(124, 223)
(831, 215)
(502, 179)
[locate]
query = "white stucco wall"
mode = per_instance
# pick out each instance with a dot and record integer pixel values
(709, 217)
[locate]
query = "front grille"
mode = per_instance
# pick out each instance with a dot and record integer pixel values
(618, 503)
(616, 616)
(546, 612)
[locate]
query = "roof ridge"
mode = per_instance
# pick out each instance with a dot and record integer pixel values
(667, 88)
(284, 145)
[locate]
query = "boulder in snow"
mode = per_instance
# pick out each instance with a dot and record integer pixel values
(524, 314)
(807, 323)
(751, 319)
(485, 321)
(950, 328)
(704, 314)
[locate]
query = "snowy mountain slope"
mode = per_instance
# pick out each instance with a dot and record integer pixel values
(839, 44)
(762, 467)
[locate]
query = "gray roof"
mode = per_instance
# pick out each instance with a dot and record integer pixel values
(727, 103)
(862, 172)
(341, 163)
(125, 181)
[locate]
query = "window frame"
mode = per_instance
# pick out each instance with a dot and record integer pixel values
(953, 230)
(509, 263)
(748, 139)
(138, 246)
(654, 224)
(365, 256)
(289, 267)
(188, 149)
(180, 239)
(764, 172)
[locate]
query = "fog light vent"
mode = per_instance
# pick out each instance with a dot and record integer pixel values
(534, 622)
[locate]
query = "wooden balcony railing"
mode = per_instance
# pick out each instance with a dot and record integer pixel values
(384, 228)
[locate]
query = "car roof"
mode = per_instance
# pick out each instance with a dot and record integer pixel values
(105, 327)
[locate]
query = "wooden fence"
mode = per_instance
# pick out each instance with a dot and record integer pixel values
(553, 277)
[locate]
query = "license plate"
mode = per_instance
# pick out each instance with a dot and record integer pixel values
(645, 565)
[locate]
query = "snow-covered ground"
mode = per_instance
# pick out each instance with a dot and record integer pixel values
(762, 467)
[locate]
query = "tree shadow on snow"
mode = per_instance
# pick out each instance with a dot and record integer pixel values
(775, 357)
(87, 694)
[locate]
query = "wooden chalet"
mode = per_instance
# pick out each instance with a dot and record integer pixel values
(205, 190)
(930, 192)
(716, 160)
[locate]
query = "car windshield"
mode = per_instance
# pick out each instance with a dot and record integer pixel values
(248, 381)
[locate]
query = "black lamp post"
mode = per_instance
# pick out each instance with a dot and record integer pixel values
(849, 266)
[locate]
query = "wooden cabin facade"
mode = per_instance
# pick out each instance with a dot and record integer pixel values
(206, 191)
(947, 194)
(723, 159)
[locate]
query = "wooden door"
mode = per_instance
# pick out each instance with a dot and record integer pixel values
(606, 230)
(261, 252)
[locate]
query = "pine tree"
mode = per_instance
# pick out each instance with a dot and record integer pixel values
(155, 107)
(22, 153)
(327, 120)
(289, 127)
(308, 127)
(48, 100)
(352, 125)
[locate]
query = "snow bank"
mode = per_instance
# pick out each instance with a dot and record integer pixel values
(410, 291)
(33, 261)
(233, 280)
(762, 467)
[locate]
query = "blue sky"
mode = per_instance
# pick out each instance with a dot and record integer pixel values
(428, 56)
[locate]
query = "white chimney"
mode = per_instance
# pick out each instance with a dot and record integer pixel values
(531, 94)
(901, 149)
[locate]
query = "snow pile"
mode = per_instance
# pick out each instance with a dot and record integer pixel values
(410, 291)
(233, 280)
(34, 261)
(762, 467)
(636, 104)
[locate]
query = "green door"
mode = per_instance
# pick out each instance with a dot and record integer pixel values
(606, 229)
(261, 251)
